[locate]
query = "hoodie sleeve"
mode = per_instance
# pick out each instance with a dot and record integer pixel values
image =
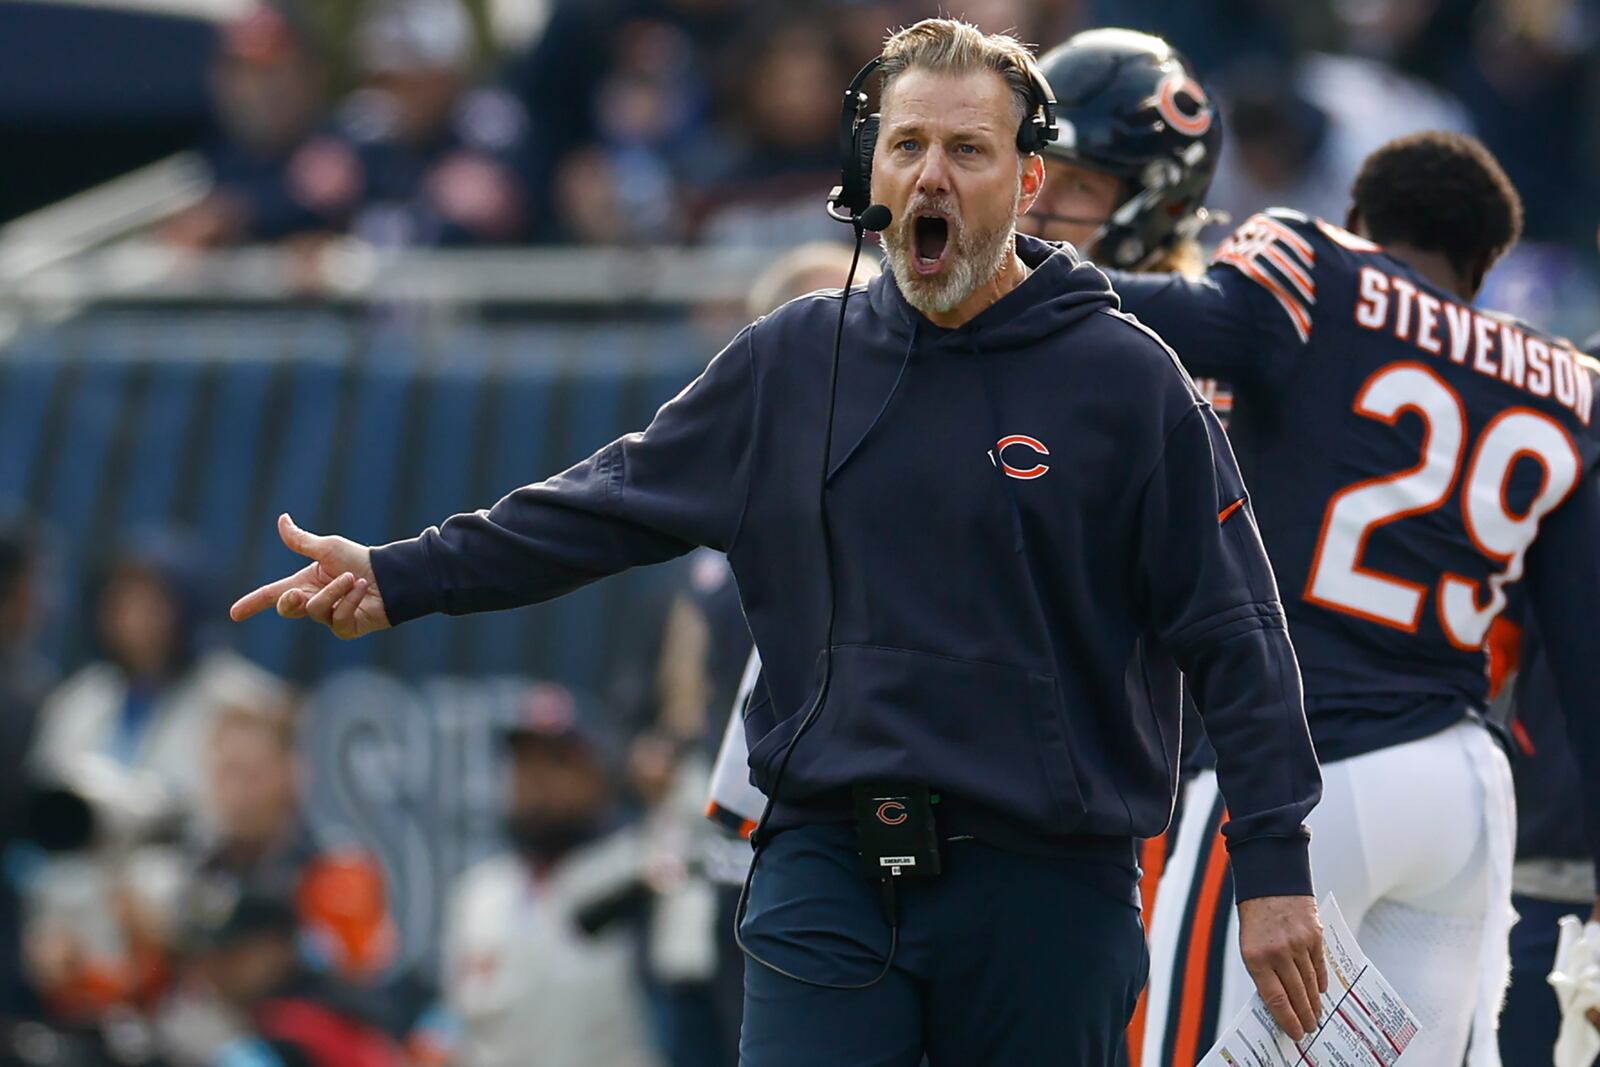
(1563, 585)
(644, 498)
(1212, 601)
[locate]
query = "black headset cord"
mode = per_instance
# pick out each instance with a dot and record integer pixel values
(815, 709)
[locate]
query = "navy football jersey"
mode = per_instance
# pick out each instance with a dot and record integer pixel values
(1409, 459)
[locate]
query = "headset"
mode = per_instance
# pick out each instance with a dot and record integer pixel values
(851, 200)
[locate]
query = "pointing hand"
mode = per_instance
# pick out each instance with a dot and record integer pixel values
(337, 588)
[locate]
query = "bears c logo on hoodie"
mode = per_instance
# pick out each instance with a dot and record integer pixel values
(998, 456)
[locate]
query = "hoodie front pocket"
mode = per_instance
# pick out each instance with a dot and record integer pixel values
(986, 732)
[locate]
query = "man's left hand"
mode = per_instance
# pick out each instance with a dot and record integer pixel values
(1281, 941)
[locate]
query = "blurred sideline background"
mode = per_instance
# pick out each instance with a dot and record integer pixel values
(376, 261)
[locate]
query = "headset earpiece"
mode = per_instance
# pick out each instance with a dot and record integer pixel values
(858, 136)
(1039, 127)
(866, 146)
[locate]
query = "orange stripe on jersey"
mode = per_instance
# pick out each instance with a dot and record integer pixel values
(1291, 306)
(1289, 237)
(1222, 516)
(1196, 969)
(1152, 859)
(1291, 270)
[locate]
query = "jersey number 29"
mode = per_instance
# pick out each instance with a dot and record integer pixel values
(1339, 582)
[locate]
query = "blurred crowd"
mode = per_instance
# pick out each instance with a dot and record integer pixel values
(166, 900)
(454, 122)
(162, 899)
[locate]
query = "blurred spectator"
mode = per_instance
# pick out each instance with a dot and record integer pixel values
(540, 966)
(589, 199)
(651, 132)
(418, 156)
(337, 23)
(149, 705)
(560, 77)
(128, 734)
(262, 841)
(267, 86)
(259, 837)
(785, 134)
(25, 679)
(263, 849)
(241, 946)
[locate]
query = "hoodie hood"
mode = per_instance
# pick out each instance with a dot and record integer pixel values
(1060, 291)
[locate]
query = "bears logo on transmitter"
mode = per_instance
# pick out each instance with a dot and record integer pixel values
(892, 813)
(895, 829)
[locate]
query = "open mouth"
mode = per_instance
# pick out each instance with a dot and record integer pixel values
(931, 238)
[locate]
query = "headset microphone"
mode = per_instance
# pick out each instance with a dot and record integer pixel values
(875, 218)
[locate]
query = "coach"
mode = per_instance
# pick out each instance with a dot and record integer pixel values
(1028, 523)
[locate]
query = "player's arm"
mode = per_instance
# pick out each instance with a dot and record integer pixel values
(1563, 576)
(1246, 317)
(1204, 321)
(642, 499)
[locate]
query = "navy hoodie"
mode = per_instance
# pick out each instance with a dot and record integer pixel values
(1036, 523)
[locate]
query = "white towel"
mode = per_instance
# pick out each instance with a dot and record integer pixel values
(1576, 979)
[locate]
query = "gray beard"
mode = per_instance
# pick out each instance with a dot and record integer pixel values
(975, 258)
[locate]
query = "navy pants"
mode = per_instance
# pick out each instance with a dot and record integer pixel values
(1003, 959)
(1531, 1018)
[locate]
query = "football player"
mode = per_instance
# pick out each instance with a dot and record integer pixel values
(1139, 144)
(1410, 458)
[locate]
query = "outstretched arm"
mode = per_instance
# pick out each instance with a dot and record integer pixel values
(644, 498)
